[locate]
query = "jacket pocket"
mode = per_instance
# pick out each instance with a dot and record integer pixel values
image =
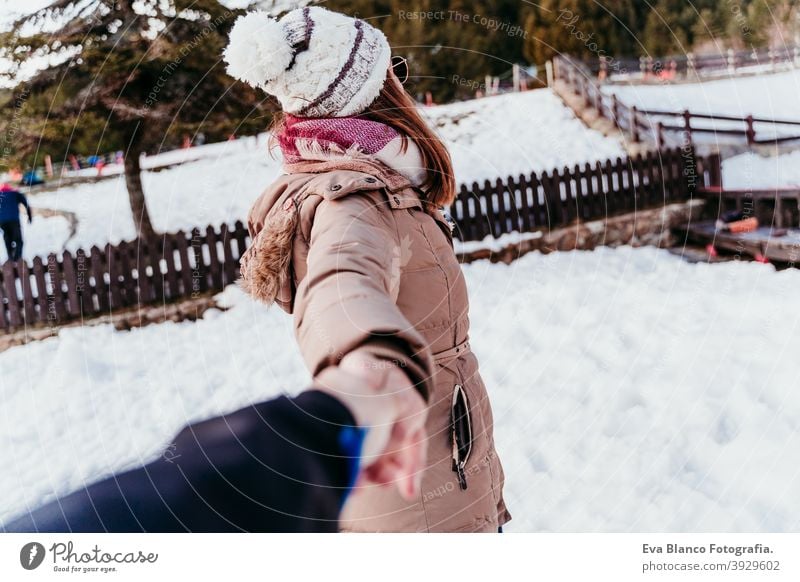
(460, 433)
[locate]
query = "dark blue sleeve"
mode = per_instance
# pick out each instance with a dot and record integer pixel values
(285, 465)
(21, 199)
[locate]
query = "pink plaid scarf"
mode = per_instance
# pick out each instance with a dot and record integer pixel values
(329, 138)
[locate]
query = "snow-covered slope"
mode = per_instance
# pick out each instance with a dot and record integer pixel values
(488, 138)
(219, 187)
(516, 133)
(773, 96)
(632, 391)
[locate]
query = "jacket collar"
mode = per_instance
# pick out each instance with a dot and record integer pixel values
(342, 176)
(392, 180)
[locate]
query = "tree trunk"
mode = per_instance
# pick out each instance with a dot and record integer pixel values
(133, 180)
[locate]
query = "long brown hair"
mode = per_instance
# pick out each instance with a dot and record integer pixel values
(395, 107)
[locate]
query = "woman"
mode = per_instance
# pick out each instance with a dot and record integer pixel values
(351, 240)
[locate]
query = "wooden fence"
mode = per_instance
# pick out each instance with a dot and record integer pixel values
(586, 192)
(84, 284)
(691, 65)
(658, 126)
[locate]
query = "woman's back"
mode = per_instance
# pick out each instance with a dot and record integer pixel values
(345, 243)
(368, 262)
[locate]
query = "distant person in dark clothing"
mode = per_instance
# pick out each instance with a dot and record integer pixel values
(10, 200)
(286, 465)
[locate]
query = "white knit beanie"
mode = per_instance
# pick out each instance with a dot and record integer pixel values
(316, 62)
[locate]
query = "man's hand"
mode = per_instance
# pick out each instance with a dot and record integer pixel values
(384, 401)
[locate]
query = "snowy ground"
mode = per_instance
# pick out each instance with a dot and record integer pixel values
(773, 96)
(632, 391)
(516, 133)
(489, 138)
(768, 96)
(751, 170)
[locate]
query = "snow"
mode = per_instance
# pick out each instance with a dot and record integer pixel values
(773, 96)
(709, 74)
(10, 10)
(632, 391)
(217, 183)
(750, 170)
(43, 236)
(495, 244)
(516, 133)
(767, 96)
(219, 186)
(13, 9)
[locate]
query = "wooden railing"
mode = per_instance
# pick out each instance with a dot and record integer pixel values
(59, 289)
(664, 128)
(691, 65)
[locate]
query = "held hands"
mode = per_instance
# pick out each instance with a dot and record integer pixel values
(383, 400)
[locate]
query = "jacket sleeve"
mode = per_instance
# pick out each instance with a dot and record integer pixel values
(285, 465)
(344, 303)
(24, 201)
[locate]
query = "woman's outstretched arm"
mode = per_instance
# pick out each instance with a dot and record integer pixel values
(345, 302)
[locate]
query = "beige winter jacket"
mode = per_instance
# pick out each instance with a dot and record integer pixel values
(349, 248)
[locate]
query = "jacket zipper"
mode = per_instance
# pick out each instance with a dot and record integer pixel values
(462, 478)
(459, 417)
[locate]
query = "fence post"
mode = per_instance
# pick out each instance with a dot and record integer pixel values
(15, 314)
(731, 61)
(687, 125)
(750, 132)
(552, 200)
(690, 65)
(714, 169)
(634, 125)
(587, 93)
(41, 291)
(615, 109)
(598, 102)
(643, 66)
(659, 135)
(54, 270)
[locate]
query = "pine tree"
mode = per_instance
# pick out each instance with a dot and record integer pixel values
(134, 75)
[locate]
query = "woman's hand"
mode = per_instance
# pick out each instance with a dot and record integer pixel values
(383, 400)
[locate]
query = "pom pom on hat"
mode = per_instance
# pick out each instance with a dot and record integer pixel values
(316, 62)
(258, 50)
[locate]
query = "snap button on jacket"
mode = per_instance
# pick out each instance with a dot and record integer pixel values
(363, 263)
